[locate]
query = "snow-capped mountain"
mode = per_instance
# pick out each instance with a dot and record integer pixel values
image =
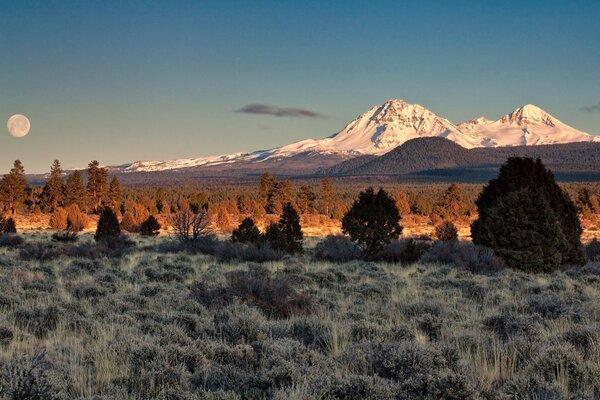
(526, 126)
(392, 123)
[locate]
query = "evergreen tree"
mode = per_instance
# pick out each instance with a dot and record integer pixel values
(446, 232)
(527, 219)
(97, 186)
(306, 199)
(14, 188)
(115, 194)
(286, 235)
(327, 197)
(75, 192)
(246, 232)
(267, 182)
(372, 221)
(53, 194)
(150, 227)
(108, 225)
(451, 205)
(7, 226)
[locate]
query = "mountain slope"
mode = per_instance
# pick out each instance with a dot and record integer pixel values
(429, 154)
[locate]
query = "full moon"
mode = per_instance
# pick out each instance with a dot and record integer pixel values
(18, 125)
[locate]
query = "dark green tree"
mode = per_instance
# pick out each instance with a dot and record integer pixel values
(14, 188)
(286, 235)
(53, 194)
(108, 225)
(527, 219)
(75, 192)
(372, 221)
(97, 185)
(306, 199)
(267, 182)
(115, 193)
(7, 225)
(246, 232)
(150, 227)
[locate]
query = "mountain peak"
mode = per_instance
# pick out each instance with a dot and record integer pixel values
(529, 114)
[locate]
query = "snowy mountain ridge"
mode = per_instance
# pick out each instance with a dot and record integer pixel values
(386, 126)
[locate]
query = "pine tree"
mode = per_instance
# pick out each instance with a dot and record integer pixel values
(327, 197)
(246, 232)
(289, 223)
(518, 231)
(446, 232)
(53, 194)
(14, 188)
(150, 227)
(306, 199)
(115, 194)
(372, 221)
(75, 192)
(267, 182)
(7, 226)
(108, 225)
(97, 186)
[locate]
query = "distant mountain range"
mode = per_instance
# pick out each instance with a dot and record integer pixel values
(375, 133)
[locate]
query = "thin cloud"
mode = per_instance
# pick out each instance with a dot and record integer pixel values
(278, 111)
(592, 108)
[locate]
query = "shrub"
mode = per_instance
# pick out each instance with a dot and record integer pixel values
(76, 219)
(473, 258)
(446, 232)
(65, 237)
(108, 225)
(190, 227)
(274, 296)
(11, 240)
(337, 248)
(6, 336)
(405, 251)
(527, 219)
(150, 227)
(592, 250)
(7, 226)
(25, 379)
(38, 321)
(246, 232)
(372, 221)
(58, 219)
(228, 251)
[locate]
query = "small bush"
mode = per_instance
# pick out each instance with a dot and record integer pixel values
(58, 219)
(11, 240)
(65, 237)
(229, 251)
(25, 379)
(405, 251)
(7, 226)
(38, 321)
(473, 258)
(337, 248)
(592, 250)
(6, 336)
(108, 225)
(150, 227)
(274, 296)
(446, 232)
(76, 219)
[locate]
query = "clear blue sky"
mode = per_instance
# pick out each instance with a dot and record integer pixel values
(120, 81)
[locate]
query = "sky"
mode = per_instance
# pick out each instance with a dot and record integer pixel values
(120, 81)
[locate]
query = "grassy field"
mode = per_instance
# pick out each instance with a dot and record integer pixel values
(171, 325)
